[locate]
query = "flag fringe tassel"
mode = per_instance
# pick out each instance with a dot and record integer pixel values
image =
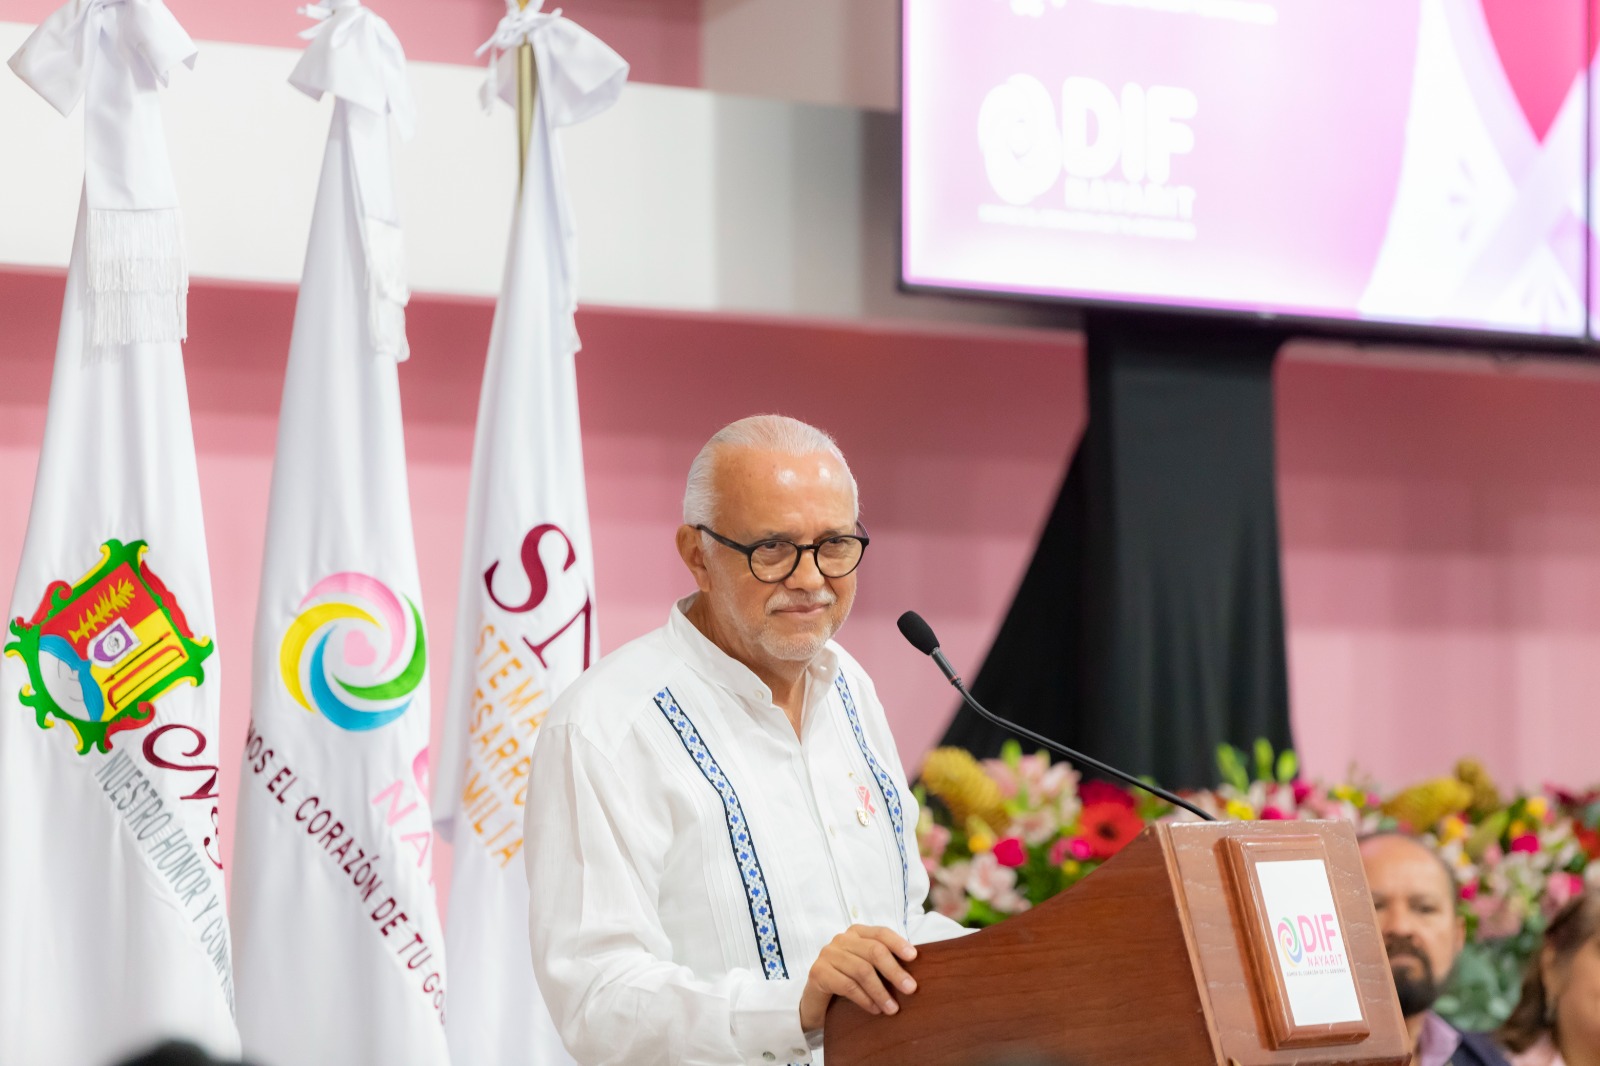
(138, 279)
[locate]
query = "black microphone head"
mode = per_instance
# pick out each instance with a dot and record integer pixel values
(918, 632)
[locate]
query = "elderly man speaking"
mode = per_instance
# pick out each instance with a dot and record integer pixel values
(720, 836)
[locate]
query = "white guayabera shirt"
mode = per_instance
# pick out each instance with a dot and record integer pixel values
(689, 856)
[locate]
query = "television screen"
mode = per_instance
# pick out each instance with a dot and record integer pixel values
(1416, 162)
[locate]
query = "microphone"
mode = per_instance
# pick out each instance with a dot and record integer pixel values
(921, 637)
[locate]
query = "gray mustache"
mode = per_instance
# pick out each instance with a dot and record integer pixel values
(827, 599)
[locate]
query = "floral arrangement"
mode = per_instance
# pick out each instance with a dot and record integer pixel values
(998, 836)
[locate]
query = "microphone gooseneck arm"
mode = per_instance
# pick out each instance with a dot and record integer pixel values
(921, 637)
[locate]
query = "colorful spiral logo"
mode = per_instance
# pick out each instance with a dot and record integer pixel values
(344, 679)
(1289, 942)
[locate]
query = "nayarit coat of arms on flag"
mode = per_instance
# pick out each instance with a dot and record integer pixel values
(101, 650)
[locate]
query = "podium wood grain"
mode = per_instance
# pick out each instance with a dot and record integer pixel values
(1144, 962)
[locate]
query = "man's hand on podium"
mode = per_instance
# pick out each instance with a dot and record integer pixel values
(856, 964)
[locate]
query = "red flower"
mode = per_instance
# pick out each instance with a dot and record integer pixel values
(1108, 827)
(1572, 799)
(1273, 814)
(1469, 891)
(1010, 852)
(1094, 793)
(1527, 843)
(1589, 839)
(1302, 789)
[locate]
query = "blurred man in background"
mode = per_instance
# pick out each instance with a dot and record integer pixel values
(1415, 894)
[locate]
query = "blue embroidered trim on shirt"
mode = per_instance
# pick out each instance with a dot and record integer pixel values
(762, 919)
(886, 789)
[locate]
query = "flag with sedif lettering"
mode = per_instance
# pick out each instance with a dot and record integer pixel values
(525, 622)
(113, 918)
(340, 957)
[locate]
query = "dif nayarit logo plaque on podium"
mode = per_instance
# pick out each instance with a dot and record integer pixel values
(1307, 989)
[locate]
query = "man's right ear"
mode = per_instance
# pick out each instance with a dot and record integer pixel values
(691, 549)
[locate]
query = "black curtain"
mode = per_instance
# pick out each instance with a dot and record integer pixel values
(1149, 625)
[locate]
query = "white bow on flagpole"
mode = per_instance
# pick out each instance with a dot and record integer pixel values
(138, 276)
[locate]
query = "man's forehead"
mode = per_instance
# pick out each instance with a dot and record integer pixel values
(779, 468)
(759, 483)
(1399, 865)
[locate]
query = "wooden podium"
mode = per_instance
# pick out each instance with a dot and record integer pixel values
(1167, 955)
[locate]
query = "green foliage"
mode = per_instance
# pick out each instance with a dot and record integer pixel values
(1230, 762)
(1488, 980)
(1278, 767)
(980, 914)
(1288, 766)
(1264, 759)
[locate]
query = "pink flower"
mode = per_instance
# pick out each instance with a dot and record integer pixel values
(1056, 780)
(1469, 891)
(1497, 919)
(1010, 852)
(1061, 851)
(995, 885)
(1003, 777)
(949, 894)
(1302, 789)
(1273, 814)
(1559, 889)
(1527, 843)
(1080, 849)
(933, 839)
(1035, 827)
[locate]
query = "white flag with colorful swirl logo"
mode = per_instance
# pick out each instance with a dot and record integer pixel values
(340, 958)
(525, 617)
(113, 923)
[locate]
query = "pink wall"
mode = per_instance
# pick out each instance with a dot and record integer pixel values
(659, 38)
(958, 439)
(1441, 524)
(1441, 531)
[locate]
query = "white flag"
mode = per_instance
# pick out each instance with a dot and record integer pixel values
(113, 925)
(525, 625)
(340, 953)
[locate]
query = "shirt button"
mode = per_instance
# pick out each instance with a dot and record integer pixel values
(768, 1056)
(798, 1052)
(855, 912)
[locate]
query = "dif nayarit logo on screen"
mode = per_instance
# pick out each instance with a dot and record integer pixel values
(1310, 944)
(1107, 156)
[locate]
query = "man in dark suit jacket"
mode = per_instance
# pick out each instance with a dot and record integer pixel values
(1415, 893)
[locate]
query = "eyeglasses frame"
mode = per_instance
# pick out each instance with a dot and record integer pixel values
(749, 552)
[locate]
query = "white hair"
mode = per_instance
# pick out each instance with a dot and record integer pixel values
(772, 433)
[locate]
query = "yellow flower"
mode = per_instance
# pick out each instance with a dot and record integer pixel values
(980, 842)
(1485, 797)
(1240, 811)
(1421, 806)
(1517, 828)
(1538, 808)
(958, 780)
(1454, 827)
(1349, 794)
(1071, 867)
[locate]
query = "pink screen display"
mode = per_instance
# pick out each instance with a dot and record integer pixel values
(1399, 161)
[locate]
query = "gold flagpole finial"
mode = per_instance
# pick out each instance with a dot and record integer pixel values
(527, 90)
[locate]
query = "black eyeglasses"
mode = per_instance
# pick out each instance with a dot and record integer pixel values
(772, 561)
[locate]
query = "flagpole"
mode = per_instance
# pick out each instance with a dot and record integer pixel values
(527, 89)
